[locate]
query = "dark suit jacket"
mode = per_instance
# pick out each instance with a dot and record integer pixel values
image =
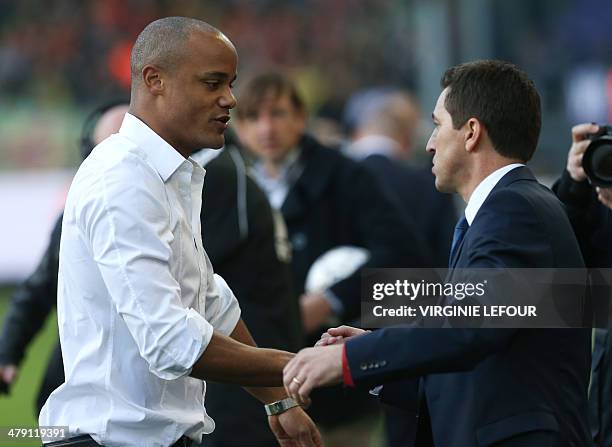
(433, 212)
(486, 386)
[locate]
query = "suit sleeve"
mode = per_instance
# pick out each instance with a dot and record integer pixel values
(31, 303)
(380, 226)
(398, 353)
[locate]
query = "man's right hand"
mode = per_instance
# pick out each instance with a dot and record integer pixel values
(580, 142)
(339, 335)
(8, 374)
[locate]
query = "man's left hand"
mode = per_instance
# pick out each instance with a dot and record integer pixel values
(294, 428)
(605, 196)
(316, 311)
(312, 368)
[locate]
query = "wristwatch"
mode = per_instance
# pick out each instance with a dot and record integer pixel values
(280, 406)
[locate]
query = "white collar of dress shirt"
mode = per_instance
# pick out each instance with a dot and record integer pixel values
(205, 156)
(373, 145)
(483, 190)
(164, 158)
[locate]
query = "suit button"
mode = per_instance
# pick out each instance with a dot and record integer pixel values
(363, 367)
(383, 363)
(376, 365)
(371, 365)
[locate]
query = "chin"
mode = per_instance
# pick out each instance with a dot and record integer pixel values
(215, 143)
(443, 187)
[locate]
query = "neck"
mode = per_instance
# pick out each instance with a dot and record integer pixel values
(481, 171)
(272, 168)
(158, 127)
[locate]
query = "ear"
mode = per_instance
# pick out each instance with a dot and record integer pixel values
(153, 80)
(474, 132)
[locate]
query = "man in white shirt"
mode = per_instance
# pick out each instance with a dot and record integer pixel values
(143, 320)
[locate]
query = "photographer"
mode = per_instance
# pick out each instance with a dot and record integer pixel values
(589, 208)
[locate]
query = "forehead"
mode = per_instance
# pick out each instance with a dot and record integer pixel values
(440, 111)
(441, 100)
(211, 53)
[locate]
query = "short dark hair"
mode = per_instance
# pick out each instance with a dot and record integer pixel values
(259, 87)
(161, 43)
(502, 97)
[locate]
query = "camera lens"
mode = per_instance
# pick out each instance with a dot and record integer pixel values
(597, 161)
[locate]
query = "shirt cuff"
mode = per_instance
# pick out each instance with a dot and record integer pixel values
(346, 371)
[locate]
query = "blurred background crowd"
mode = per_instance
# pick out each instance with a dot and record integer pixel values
(59, 59)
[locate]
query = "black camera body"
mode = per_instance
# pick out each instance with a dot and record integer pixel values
(597, 159)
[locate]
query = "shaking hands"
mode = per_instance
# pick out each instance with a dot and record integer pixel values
(319, 366)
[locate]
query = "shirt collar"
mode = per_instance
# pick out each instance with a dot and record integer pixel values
(163, 157)
(483, 190)
(373, 145)
(284, 169)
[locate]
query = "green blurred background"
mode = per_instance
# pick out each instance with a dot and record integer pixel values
(17, 409)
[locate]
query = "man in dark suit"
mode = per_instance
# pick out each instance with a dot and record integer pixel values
(495, 387)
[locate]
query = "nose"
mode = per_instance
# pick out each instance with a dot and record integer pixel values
(264, 125)
(228, 100)
(430, 147)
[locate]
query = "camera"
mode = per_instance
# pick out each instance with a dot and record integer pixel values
(597, 159)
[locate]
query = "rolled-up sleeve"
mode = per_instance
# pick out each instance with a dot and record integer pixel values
(222, 309)
(128, 227)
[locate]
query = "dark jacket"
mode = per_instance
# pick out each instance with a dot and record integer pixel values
(490, 386)
(592, 223)
(337, 201)
(238, 232)
(433, 212)
(30, 305)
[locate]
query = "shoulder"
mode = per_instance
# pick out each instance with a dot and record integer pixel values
(116, 174)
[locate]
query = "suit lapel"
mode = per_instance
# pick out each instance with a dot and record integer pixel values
(521, 173)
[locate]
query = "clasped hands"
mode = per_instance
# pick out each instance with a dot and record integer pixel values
(319, 366)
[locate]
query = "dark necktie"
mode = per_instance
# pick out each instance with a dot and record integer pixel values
(460, 229)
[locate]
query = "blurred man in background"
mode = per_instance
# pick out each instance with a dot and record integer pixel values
(589, 209)
(327, 201)
(383, 140)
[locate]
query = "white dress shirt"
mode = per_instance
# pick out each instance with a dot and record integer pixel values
(277, 188)
(483, 190)
(137, 297)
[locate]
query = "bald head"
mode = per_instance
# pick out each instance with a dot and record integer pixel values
(396, 117)
(162, 43)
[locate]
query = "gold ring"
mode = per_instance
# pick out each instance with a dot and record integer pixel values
(295, 379)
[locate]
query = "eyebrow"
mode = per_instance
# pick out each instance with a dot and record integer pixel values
(217, 75)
